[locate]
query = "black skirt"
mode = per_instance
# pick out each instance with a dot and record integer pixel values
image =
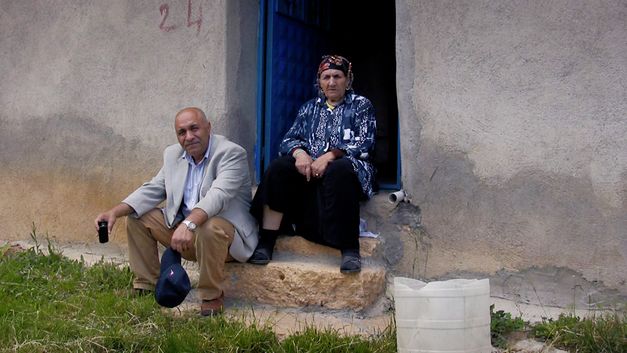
(324, 210)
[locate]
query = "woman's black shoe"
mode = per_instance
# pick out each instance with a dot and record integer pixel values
(263, 253)
(261, 256)
(351, 263)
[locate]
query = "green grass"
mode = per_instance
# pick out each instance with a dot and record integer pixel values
(49, 303)
(501, 325)
(601, 334)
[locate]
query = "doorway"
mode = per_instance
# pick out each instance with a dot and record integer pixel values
(294, 34)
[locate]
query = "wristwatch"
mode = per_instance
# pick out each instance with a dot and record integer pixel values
(190, 225)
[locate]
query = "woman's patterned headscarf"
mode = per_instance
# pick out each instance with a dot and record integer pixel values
(336, 62)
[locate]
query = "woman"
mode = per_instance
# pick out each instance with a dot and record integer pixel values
(324, 170)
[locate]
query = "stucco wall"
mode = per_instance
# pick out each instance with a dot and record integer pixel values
(89, 93)
(514, 134)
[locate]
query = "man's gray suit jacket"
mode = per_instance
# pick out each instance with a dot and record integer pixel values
(225, 191)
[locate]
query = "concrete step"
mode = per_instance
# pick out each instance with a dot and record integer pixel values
(314, 281)
(299, 245)
(305, 274)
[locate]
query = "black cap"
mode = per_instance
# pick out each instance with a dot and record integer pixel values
(173, 284)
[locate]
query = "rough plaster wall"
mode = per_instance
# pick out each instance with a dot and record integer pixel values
(241, 75)
(514, 135)
(88, 97)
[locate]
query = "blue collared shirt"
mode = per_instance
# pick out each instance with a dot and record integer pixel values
(195, 174)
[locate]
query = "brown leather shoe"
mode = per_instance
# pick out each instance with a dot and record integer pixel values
(212, 307)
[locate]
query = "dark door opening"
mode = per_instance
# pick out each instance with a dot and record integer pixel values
(294, 36)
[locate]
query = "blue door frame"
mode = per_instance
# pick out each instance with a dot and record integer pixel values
(290, 45)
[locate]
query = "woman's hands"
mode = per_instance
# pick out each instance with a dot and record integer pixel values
(303, 163)
(310, 168)
(319, 166)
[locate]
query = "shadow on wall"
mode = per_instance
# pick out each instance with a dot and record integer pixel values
(534, 218)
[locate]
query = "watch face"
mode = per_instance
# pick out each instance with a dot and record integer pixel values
(190, 225)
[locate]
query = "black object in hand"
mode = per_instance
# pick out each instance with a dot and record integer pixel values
(103, 231)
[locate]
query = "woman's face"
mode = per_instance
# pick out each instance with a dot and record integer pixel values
(333, 84)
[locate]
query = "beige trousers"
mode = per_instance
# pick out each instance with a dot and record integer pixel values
(211, 250)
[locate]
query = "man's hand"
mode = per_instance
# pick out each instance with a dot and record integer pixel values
(108, 216)
(182, 239)
(303, 163)
(112, 215)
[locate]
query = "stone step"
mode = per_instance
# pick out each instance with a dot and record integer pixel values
(306, 274)
(299, 245)
(306, 281)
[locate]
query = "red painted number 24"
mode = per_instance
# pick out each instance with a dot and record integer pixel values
(164, 9)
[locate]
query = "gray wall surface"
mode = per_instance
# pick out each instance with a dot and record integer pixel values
(514, 135)
(89, 93)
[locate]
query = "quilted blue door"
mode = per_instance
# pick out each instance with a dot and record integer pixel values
(293, 43)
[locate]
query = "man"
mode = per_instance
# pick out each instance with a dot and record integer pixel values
(206, 187)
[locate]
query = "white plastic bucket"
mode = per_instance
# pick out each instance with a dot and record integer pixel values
(448, 316)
